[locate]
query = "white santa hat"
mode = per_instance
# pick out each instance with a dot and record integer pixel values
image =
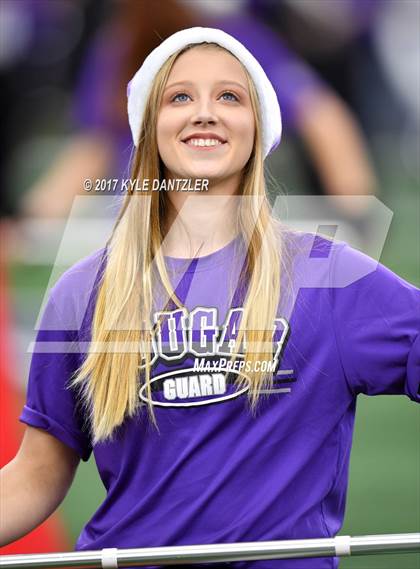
(139, 87)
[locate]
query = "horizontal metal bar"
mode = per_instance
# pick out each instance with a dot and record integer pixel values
(225, 552)
(384, 544)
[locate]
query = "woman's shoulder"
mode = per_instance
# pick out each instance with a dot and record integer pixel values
(300, 242)
(322, 262)
(78, 275)
(319, 260)
(304, 245)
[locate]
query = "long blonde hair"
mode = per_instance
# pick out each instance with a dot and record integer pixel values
(121, 328)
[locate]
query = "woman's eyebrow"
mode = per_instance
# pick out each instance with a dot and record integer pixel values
(219, 83)
(234, 83)
(178, 83)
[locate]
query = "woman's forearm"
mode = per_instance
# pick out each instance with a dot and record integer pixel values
(28, 496)
(337, 147)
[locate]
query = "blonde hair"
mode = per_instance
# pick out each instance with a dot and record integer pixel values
(109, 376)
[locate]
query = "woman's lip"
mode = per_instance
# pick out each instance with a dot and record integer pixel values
(195, 147)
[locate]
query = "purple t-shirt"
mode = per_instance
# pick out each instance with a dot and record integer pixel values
(214, 473)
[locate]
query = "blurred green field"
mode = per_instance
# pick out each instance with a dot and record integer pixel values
(384, 489)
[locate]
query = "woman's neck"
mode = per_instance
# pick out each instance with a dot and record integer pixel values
(198, 225)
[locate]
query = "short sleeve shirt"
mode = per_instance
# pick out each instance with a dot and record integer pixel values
(215, 472)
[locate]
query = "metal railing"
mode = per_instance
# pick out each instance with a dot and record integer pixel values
(113, 558)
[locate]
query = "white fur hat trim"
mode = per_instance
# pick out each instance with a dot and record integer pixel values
(139, 87)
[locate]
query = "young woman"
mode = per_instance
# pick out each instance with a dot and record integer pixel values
(208, 356)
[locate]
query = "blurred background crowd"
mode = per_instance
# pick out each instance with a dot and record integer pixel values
(346, 73)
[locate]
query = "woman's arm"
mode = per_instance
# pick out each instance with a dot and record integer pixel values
(34, 483)
(337, 147)
(86, 155)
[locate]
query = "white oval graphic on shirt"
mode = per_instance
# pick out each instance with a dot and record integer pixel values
(178, 384)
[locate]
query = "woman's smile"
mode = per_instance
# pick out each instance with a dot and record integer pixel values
(203, 144)
(204, 141)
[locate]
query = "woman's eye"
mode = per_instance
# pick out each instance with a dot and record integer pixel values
(231, 94)
(176, 98)
(179, 95)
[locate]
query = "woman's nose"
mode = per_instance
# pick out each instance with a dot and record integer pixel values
(204, 113)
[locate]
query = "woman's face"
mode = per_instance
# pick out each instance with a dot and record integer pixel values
(206, 98)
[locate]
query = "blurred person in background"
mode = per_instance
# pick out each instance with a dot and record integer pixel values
(43, 44)
(314, 114)
(102, 148)
(368, 51)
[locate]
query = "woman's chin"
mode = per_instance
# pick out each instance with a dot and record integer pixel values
(204, 174)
